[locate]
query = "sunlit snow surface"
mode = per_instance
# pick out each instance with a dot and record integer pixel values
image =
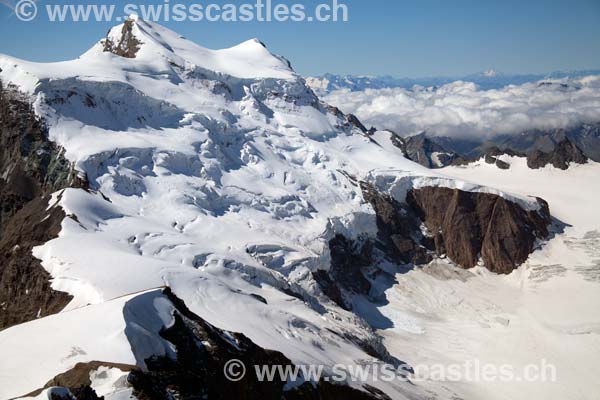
(219, 174)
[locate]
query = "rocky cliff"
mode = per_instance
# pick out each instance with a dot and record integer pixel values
(469, 226)
(31, 168)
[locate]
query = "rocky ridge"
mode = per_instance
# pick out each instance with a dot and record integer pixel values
(430, 151)
(564, 153)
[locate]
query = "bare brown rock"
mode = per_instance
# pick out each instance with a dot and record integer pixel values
(398, 235)
(25, 291)
(77, 379)
(128, 44)
(468, 225)
(32, 168)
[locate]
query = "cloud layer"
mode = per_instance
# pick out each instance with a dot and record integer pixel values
(461, 109)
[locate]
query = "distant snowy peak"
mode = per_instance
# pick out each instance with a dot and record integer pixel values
(329, 82)
(490, 79)
(490, 73)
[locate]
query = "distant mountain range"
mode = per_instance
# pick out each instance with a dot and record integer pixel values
(485, 80)
(556, 146)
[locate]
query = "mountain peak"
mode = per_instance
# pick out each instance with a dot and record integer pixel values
(152, 43)
(490, 73)
(123, 40)
(253, 42)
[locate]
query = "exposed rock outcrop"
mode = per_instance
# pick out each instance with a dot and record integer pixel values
(345, 276)
(496, 161)
(560, 154)
(492, 156)
(77, 382)
(25, 291)
(399, 235)
(202, 352)
(351, 120)
(423, 150)
(127, 45)
(399, 239)
(564, 153)
(31, 168)
(197, 370)
(467, 226)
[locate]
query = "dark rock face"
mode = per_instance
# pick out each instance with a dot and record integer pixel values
(331, 288)
(32, 168)
(350, 120)
(25, 291)
(399, 235)
(345, 276)
(425, 151)
(30, 163)
(559, 154)
(354, 121)
(495, 151)
(398, 239)
(497, 162)
(128, 45)
(202, 352)
(491, 156)
(586, 137)
(564, 153)
(467, 225)
(81, 393)
(197, 371)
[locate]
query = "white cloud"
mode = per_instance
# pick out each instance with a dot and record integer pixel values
(461, 109)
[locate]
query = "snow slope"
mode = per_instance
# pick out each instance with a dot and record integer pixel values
(219, 174)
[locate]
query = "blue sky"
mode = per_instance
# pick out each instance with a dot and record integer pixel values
(402, 38)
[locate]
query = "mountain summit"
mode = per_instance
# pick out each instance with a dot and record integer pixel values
(153, 44)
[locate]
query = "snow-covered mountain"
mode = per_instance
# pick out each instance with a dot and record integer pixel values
(187, 206)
